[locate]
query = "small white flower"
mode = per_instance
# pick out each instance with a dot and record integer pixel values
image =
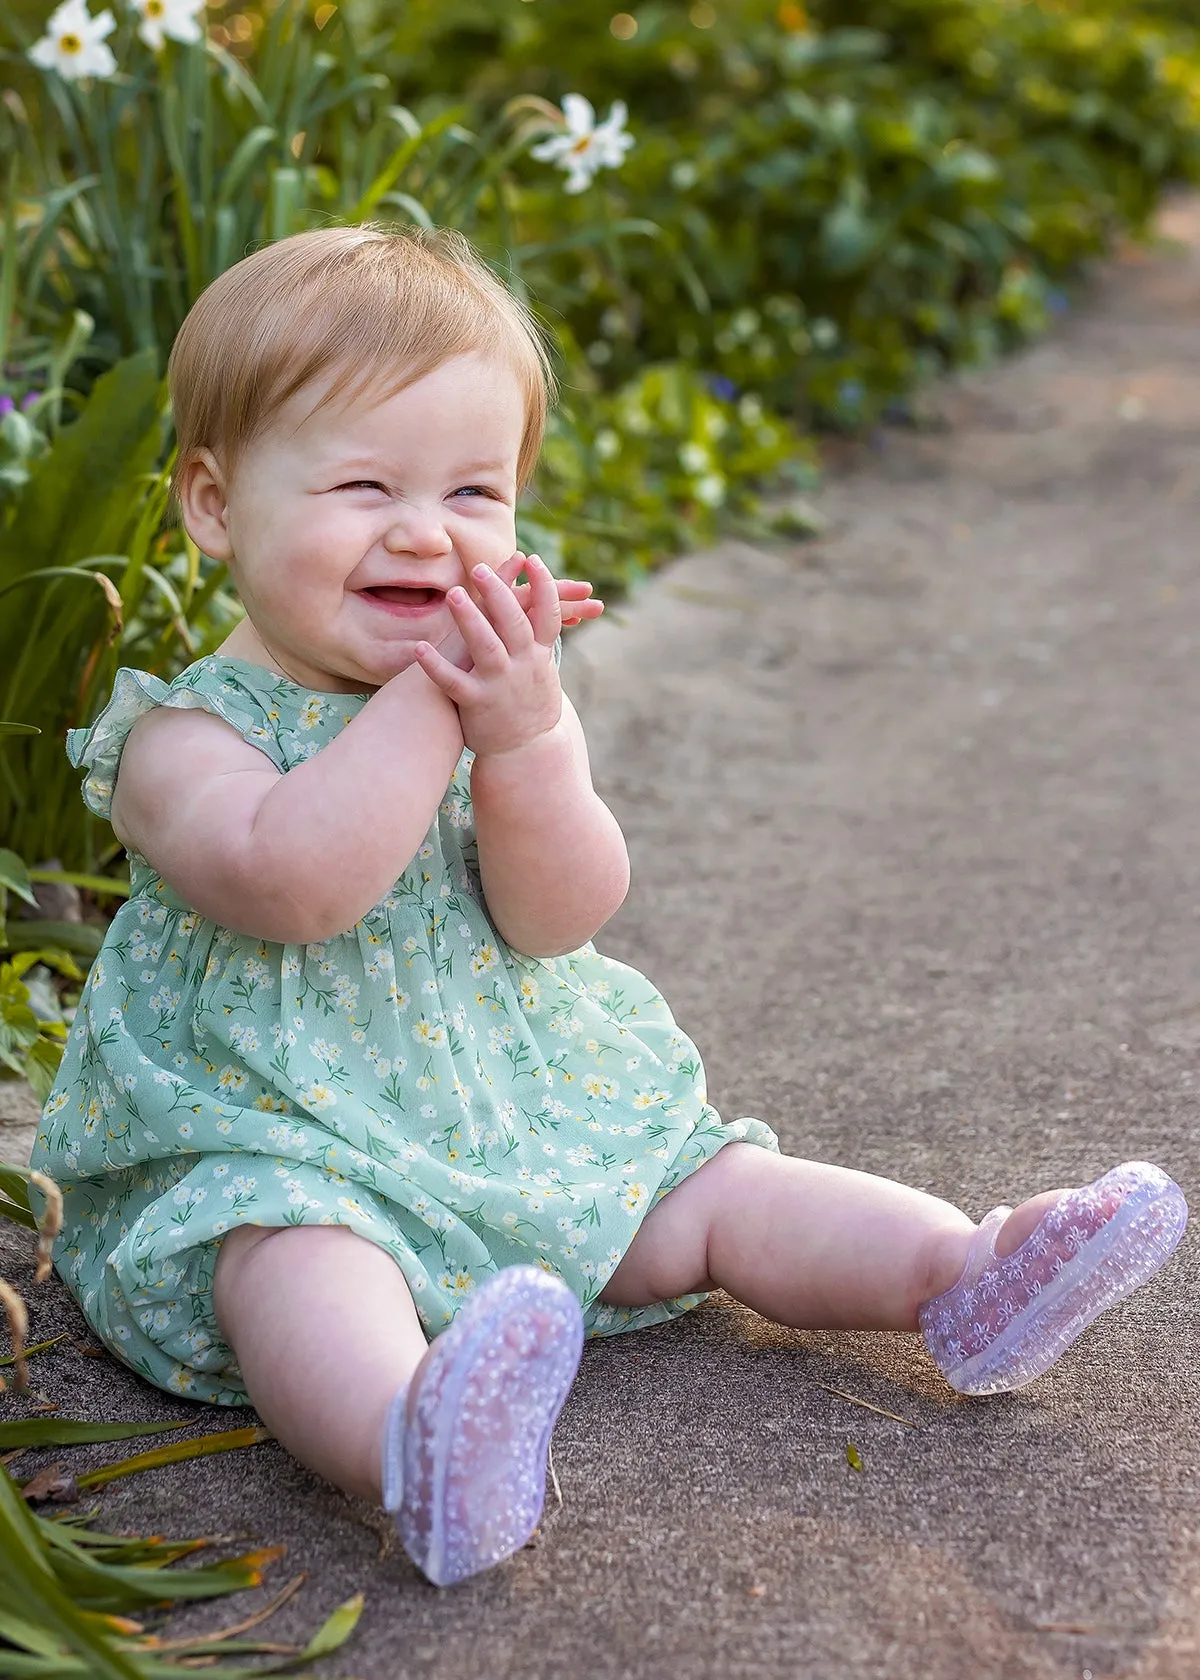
(586, 147)
(74, 43)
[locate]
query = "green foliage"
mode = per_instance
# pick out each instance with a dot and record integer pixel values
(889, 186)
(33, 1028)
(89, 582)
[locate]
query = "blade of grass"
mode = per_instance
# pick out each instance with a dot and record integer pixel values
(199, 1641)
(38, 1347)
(200, 1446)
(68, 1432)
(26, 1577)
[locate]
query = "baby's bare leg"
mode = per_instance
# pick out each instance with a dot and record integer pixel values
(325, 1331)
(805, 1244)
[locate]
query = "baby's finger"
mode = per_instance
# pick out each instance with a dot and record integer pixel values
(486, 648)
(454, 684)
(583, 610)
(545, 613)
(510, 570)
(504, 612)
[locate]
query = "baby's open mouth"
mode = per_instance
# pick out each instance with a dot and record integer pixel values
(404, 595)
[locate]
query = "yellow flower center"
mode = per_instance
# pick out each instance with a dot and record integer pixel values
(155, 8)
(70, 44)
(582, 144)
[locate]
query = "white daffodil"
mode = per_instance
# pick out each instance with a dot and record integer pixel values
(176, 18)
(74, 43)
(586, 147)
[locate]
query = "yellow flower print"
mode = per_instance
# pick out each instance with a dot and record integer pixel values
(231, 1079)
(530, 993)
(310, 714)
(352, 1206)
(429, 1032)
(635, 1197)
(484, 959)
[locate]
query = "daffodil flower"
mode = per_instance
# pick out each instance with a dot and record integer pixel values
(163, 18)
(74, 43)
(586, 147)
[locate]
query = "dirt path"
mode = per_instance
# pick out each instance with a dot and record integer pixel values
(914, 817)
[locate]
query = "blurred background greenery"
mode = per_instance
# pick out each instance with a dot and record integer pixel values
(824, 206)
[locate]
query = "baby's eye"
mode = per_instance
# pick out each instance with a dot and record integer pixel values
(360, 484)
(474, 490)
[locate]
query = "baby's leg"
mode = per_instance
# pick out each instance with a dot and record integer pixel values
(326, 1333)
(822, 1247)
(805, 1244)
(333, 1357)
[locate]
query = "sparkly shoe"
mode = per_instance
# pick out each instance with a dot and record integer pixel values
(1006, 1321)
(464, 1451)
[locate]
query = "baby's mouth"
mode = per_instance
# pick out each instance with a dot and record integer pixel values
(404, 595)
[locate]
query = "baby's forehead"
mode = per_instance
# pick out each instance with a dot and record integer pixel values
(469, 405)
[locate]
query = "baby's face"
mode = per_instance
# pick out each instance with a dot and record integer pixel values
(349, 525)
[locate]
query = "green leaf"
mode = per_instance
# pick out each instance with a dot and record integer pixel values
(104, 886)
(80, 937)
(335, 1631)
(42, 1062)
(200, 1446)
(853, 1456)
(80, 493)
(15, 876)
(69, 1432)
(38, 1347)
(26, 1577)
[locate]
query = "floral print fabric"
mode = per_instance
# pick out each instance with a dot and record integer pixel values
(461, 1105)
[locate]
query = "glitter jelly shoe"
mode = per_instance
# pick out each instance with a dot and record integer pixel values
(465, 1445)
(1006, 1321)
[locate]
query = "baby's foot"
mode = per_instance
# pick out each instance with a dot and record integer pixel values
(465, 1453)
(1012, 1314)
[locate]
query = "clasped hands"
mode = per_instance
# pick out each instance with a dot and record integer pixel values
(497, 664)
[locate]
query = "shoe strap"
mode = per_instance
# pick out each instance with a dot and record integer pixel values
(394, 1428)
(983, 1247)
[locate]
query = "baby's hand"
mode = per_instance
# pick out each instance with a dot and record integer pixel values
(510, 695)
(574, 595)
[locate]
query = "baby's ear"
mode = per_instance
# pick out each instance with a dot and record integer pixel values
(202, 503)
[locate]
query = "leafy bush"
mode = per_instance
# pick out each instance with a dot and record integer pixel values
(867, 192)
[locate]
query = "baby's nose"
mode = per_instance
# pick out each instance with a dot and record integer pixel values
(417, 531)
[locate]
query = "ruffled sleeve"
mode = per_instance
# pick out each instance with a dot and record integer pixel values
(98, 749)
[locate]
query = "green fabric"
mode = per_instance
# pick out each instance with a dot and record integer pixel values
(461, 1105)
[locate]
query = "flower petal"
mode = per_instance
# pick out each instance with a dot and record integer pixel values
(579, 113)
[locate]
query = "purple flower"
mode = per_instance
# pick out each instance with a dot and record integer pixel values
(6, 404)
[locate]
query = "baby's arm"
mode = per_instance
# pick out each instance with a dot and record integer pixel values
(551, 854)
(295, 857)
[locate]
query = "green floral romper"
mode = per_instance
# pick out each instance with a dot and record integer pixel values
(463, 1106)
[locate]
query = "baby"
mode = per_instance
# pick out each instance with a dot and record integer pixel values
(354, 1123)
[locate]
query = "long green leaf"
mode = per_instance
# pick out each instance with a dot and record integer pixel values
(79, 493)
(72, 1432)
(200, 1446)
(26, 1578)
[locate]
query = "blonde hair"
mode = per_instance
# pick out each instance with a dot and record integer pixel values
(382, 307)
